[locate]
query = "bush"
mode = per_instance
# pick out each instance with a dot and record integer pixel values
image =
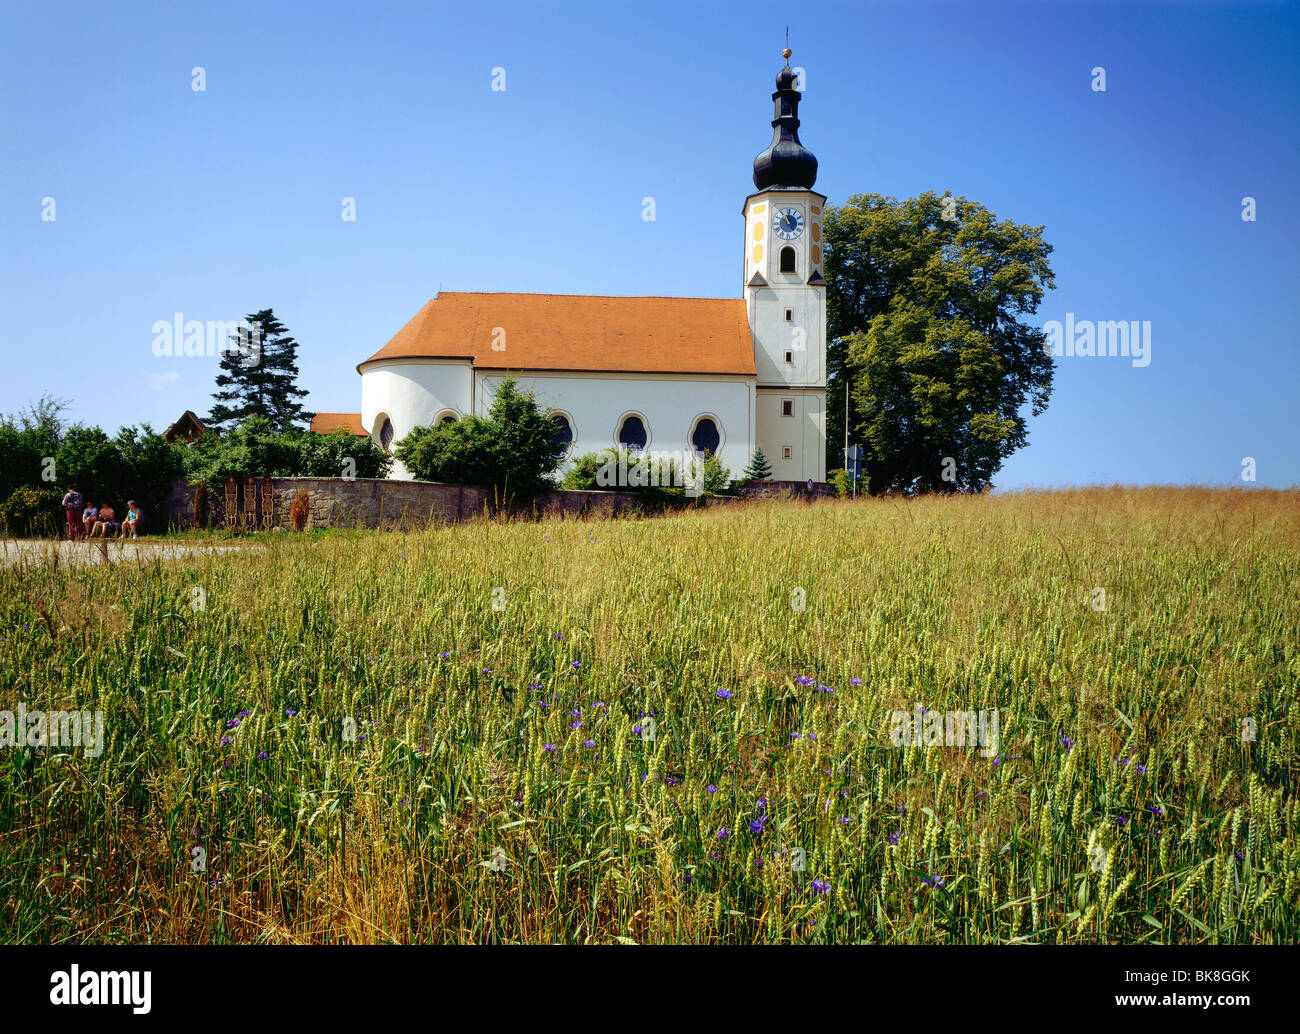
(32, 513)
(256, 449)
(842, 482)
(664, 484)
(300, 511)
(513, 449)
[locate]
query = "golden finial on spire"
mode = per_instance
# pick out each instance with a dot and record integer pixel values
(786, 53)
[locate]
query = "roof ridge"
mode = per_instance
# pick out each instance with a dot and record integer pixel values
(615, 297)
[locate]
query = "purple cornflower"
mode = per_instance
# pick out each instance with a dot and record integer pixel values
(575, 725)
(262, 756)
(636, 730)
(227, 739)
(711, 788)
(289, 712)
(893, 837)
(548, 746)
(588, 743)
(855, 682)
(723, 833)
(1066, 742)
(444, 655)
(825, 689)
(725, 694)
(575, 665)
(820, 886)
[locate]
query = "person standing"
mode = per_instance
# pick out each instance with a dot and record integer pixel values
(73, 504)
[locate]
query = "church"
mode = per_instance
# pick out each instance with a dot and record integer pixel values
(726, 375)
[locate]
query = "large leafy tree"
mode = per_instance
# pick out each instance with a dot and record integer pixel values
(926, 305)
(259, 377)
(514, 448)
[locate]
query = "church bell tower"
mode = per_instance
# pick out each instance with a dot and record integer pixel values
(785, 295)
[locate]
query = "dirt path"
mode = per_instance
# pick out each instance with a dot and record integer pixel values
(43, 551)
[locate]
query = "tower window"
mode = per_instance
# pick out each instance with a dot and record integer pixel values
(386, 434)
(785, 452)
(706, 437)
(632, 434)
(789, 357)
(787, 262)
(789, 313)
(787, 407)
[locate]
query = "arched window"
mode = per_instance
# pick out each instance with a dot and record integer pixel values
(787, 260)
(447, 419)
(706, 437)
(563, 431)
(632, 434)
(386, 434)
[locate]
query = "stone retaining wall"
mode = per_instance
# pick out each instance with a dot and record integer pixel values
(381, 503)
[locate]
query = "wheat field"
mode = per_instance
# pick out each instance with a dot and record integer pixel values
(673, 730)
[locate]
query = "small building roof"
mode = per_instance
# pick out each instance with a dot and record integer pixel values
(187, 426)
(502, 331)
(324, 423)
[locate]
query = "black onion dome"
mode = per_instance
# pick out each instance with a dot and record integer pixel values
(786, 162)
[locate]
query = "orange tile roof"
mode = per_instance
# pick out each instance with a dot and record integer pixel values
(324, 423)
(579, 332)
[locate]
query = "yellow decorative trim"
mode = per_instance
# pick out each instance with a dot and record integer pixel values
(817, 255)
(815, 210)
(758, 230)
(817, 231)
(758, 253)
(759, 208)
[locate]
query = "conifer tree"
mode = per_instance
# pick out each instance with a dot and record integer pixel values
(259, 377)
(759, 469)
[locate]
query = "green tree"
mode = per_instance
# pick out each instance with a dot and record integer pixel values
(88, 459)
(758, 469)
(926, 302)
(27, 439)
(259, 377)
(512, 449)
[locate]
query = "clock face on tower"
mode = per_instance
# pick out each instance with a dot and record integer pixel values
(788, 224)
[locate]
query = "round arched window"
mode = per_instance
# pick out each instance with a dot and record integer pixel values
(706, 437)
(787, 260)
(563, 435)
(447, 419)
(386, 434)
(632, 434)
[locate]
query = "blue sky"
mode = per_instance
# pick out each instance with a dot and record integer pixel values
(222, 202)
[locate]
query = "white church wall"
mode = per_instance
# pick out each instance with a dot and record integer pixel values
(803, 432)
(669, 404)
(413, 393)
(803, 336)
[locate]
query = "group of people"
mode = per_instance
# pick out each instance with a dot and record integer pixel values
(85, 518)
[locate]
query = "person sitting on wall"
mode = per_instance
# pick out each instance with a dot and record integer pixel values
(88, 517)
(105, 523)
(131, 522)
